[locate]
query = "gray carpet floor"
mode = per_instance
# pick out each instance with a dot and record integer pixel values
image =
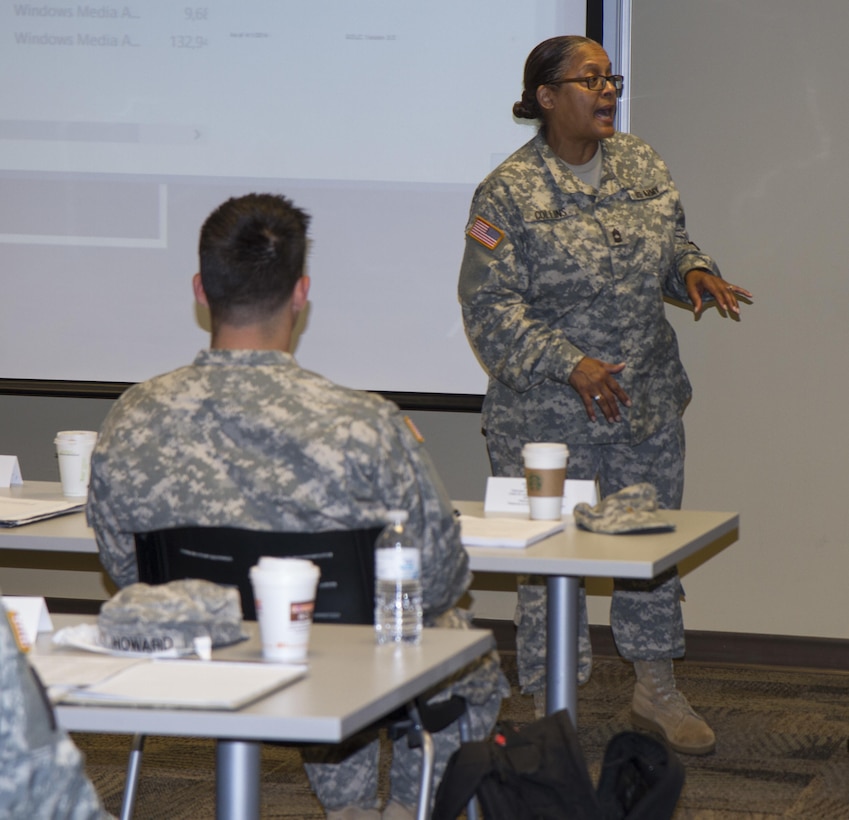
(781, 748)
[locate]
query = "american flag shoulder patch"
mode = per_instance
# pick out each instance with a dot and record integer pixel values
(486, 233)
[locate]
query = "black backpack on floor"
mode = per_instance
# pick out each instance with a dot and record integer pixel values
(538, 772)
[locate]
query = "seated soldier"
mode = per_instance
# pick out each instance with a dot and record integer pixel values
(245, 437)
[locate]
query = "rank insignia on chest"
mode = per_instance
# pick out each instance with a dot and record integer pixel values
(486, 233)
(414, 430)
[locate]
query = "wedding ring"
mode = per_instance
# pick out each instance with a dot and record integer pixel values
(596, 398)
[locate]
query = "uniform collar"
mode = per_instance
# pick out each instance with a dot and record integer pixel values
(246, 358)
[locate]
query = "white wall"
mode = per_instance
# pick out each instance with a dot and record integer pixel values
(745, 101)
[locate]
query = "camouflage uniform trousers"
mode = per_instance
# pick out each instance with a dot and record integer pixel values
(645, 616)
(42, 774)
(347, 774)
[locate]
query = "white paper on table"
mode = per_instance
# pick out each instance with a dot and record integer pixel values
(504, 532)
(506, 494)
(17, 511)
(60, 672)
(10, 472)
(29, 616)
(188, 684)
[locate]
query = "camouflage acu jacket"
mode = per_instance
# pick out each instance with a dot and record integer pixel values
(554, 271)
(249, 438)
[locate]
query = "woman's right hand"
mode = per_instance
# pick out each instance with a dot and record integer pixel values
(594, 382)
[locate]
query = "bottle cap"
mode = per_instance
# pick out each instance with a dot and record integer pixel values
(397, 516)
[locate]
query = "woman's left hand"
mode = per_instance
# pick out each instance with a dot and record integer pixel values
(701, 283)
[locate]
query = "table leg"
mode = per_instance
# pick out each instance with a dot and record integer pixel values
(237, 773)
(561, 664)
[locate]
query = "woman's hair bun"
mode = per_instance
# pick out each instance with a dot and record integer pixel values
(526, 109)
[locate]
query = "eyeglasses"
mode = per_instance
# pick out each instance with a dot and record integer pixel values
(597, 82)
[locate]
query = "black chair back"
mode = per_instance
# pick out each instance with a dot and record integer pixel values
(224, 555)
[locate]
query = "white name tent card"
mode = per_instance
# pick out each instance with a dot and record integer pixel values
(10, 472)
(505, 494)
(28, 617)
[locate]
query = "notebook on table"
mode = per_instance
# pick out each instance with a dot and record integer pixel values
(187, 684)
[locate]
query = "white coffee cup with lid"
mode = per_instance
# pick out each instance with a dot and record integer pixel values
(284, 595)
(73, 449)
(545, 477)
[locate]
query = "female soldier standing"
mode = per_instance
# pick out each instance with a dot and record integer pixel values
(571, 245)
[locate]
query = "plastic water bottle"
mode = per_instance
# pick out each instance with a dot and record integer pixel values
(398, 586)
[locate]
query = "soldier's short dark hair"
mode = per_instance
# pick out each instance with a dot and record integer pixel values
(252, 251)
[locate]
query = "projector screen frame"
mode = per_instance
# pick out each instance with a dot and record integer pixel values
(599, 24)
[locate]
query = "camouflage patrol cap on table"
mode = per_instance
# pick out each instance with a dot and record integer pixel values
(632, 509)
(158, 618)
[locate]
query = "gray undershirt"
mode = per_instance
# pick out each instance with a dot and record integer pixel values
(590, 172)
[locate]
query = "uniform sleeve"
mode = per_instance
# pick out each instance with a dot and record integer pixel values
(412, 484)
(116, 547)
(688, 255)
(42, 774)
(515, 346)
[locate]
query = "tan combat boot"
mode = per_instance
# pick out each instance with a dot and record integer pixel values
(353, 813)
(397, 811)
(659, 707)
